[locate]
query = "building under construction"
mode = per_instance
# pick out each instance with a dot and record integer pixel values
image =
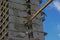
(13, 16)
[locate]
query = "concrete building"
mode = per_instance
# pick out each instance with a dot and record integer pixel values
(13, 15)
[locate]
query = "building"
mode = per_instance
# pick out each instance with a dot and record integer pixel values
(13, 15)
(4, 16)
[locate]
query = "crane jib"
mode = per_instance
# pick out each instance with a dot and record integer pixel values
(39, 11)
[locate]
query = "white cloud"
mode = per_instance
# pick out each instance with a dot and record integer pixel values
(58, 27)
(57, 5)
(58, 30)
(58, 35)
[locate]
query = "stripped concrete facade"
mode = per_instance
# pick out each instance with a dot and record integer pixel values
(18, 12)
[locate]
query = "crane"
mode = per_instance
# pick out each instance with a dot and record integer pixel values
(39, 11)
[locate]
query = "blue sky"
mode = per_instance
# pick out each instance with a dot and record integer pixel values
(52, 22)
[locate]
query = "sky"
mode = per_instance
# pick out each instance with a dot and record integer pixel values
(51, 24)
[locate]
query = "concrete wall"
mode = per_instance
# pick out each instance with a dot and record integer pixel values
(18, 16)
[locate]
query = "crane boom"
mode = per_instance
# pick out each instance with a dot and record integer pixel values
(39, 11)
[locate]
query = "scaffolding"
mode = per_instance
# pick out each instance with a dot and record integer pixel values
(4, 19)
